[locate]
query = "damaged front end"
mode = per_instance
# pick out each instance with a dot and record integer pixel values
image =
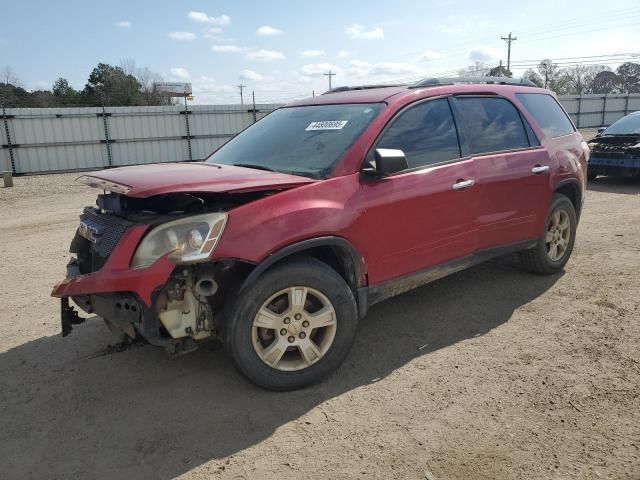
(142, 265)
(615, 155)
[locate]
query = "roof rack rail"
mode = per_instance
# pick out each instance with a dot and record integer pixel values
(433, 82)
(362, 87)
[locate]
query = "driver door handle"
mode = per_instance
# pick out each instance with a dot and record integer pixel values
(463, 184)
(538, 169)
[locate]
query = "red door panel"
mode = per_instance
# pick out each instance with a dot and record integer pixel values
(512, 196)
(416, 220)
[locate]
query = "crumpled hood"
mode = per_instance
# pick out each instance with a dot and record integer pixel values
(144, 181)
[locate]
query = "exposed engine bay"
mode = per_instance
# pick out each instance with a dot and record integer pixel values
(185, 309)
(615, 154)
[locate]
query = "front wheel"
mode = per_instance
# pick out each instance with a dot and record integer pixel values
(293, 326)
(554, 247)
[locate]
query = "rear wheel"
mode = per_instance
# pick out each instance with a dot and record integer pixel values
(554, 247)
(293, 326)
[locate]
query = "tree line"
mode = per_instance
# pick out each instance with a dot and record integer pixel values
(126, 85)
(108, 85)
(573, 80)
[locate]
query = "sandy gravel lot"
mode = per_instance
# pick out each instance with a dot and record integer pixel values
(488, 374)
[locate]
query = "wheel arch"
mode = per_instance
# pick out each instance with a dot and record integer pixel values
(337, 252)
(570, 188)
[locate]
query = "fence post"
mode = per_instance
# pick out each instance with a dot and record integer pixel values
(107, 139)
(626, 105)
(12, 160)
(579, 110)
(186, 121)
(604, 110)
(255, 112)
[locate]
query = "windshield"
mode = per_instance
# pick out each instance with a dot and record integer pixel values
(629, 125)
(304, 141)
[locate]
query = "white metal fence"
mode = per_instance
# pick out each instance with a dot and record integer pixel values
(599, 110)
(38, 140)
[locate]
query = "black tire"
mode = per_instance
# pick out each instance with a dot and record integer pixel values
(591, 175)
(536, 259)
(301, 271)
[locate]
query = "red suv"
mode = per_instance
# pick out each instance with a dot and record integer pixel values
(285, 236)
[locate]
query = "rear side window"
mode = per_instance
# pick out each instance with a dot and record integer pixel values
(546, 111)
(491, 124)
(426, 133)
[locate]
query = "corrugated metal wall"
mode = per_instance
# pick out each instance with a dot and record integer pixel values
(597, 110)
(62, 139)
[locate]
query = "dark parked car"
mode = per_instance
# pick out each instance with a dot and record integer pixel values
(285, 236)
(616, 149)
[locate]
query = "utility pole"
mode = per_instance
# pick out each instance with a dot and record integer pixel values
(509, 40)
(330, 74)
(241, 87)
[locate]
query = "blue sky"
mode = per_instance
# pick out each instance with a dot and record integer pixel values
(282, 48)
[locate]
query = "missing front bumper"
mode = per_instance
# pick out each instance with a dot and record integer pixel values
(68, 317)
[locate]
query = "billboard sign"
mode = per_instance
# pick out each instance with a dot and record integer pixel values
(173, 89)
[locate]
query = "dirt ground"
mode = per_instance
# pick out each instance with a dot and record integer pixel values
(491, 373)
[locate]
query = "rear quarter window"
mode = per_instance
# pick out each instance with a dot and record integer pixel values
(492, 124)
(548, 113)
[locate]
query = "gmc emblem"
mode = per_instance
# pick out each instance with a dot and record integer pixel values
(89, 232)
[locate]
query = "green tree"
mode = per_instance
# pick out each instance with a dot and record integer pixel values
(580, 78)
(553, 77)
(111, 85)
(533, 76)
(605, 82)
(499, 71)
(629, 77)
(478, 69)
(64, 93)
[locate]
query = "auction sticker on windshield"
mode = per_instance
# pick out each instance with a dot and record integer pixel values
(327, 125)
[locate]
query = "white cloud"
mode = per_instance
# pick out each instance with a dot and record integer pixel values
(268, 31)
(451, 28)
(38, 85)
(358, 31)
(184, 36)
(264, 55)
(207, 91)
(344, 54)
(313, 53)
(394, 68)
(124, 24)
(201, 17)
(250, 75)
(483, 53)
(315, 69)
(212, 32)
(181, 73)
(429, 56)
(228, 49)
(382, 70)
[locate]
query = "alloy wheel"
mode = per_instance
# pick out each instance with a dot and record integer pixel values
(294, 328)
(558, 234)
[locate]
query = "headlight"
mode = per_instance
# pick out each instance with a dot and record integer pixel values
(187, 240)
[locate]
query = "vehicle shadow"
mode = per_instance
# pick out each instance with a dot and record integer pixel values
(141, 414)
(623, 185)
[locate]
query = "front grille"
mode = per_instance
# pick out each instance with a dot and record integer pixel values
(609, 154)
(109, 230)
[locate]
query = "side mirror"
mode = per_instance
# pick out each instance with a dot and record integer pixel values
(387, 161)
(601, 129)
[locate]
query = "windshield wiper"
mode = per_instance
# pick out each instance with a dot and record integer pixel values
(254, 166)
